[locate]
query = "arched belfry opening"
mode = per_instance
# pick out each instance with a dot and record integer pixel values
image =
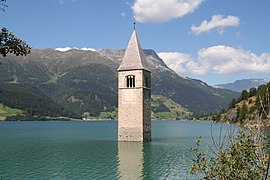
(130, 81)
(134, 94)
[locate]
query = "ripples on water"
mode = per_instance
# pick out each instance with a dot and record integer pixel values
(89, 150)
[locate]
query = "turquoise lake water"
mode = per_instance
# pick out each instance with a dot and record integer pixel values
(89, 150)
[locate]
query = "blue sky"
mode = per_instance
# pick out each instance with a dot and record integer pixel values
(217, 41)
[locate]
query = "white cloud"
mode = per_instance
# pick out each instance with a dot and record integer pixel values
(86, 49)
(175, 60)
(128, 3)
(159, 11)
(63, 49)
(123, 14)
(69, 48)
(218, 21)
(61, 1)
(64, 1)
(218, 59)
(196, 68)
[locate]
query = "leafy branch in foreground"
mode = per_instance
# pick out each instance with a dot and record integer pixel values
(11, 44)
(3, 5)
(245, 156)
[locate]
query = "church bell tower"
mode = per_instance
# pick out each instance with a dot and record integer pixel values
(134, 94)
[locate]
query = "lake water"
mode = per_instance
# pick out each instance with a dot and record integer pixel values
(89, 150)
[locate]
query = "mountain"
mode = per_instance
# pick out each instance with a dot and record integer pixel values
(78, 83)
(244, 84)
(250, 110)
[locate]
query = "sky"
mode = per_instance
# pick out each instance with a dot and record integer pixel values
(216, 41)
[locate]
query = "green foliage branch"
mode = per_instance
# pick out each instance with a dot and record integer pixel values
(263, 101)
(245, 157)
(3, 5)
(11, 44)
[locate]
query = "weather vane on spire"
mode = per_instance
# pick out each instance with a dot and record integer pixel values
(134, 22)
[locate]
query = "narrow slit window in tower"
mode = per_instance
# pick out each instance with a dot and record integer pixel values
(127, 80)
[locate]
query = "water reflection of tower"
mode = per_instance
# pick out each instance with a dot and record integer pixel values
(131, 160)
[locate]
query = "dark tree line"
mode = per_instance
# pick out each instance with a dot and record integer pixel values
(261, 105)
(245, 95)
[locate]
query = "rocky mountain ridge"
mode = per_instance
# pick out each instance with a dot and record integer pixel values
(84, 83)
(243, 84)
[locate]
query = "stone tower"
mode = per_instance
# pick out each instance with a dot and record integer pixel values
(134, 94)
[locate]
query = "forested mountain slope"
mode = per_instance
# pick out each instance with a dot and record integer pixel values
(78, 83)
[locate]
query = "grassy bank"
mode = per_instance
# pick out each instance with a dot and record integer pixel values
(8, 112)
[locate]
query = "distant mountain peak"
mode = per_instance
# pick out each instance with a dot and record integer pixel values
(243, 84)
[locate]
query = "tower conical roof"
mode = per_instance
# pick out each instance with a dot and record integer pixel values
(134, 58)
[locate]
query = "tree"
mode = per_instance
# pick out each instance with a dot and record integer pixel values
(9, 43)
(245, 157)
(3, 5)
(216, 117)
(244, 95)
(243, 113)
(263, 101)
(252, 91)
(233, 103)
